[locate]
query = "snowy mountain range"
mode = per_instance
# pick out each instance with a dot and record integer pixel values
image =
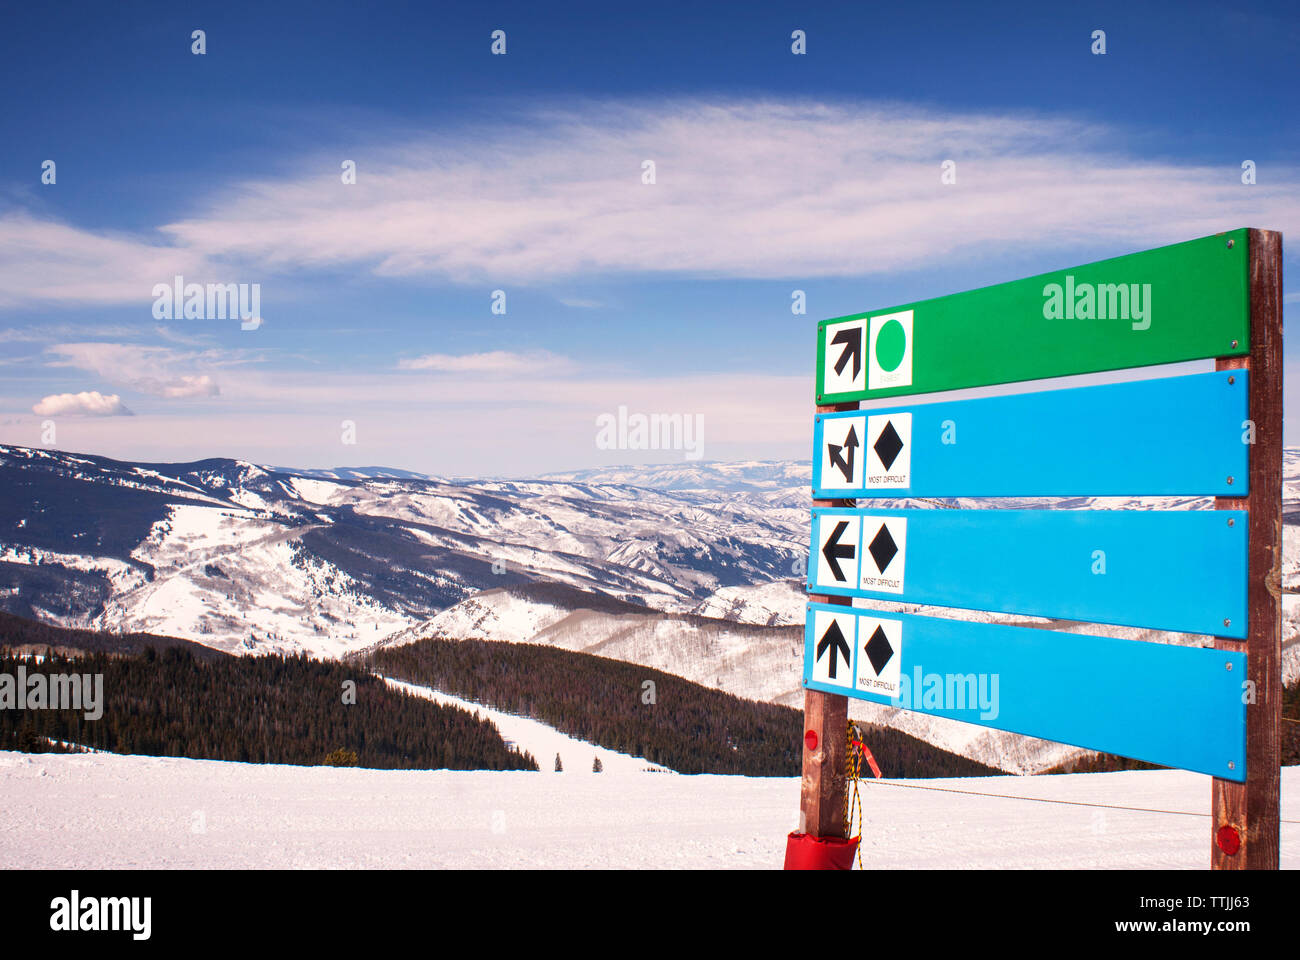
(244, 557)
(694, 569)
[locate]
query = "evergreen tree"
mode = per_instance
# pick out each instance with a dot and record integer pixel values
(559, 767)
(597, 766)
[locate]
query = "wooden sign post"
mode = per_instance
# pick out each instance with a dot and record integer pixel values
(826, 721)
(1213, 710)
(1245, 815)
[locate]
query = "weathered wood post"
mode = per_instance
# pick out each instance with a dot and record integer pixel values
(1245, 814)
(825, 717)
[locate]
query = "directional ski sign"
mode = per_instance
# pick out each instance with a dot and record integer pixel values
(1182, 302)
(841, 464)
(1170, 436)
(835, 549)
(1172, 705)
(833, 633)
(960, 397)
(1181, 570)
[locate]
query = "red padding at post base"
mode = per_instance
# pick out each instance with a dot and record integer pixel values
(806, 852)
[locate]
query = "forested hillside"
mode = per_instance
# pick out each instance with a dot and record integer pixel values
(21, 635)
(663, 718)
(268, 709)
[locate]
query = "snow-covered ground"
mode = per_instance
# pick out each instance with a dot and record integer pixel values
(545, 743)
(106, 811)
(237, 582)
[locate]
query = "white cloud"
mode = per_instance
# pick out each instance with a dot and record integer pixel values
(494, 362)
(43, 260)
(579, 302)
(90, 403)
(745, 188)
(147, 369)
(48, 332)
(184, 387)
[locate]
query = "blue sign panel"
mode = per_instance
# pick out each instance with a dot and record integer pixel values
(1171, 705)
(1181, 570)
(1174, 436)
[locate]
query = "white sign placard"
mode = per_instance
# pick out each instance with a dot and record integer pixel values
(833, 641)
(889, 450)
(884, 553)
(837, 551)
(889, 359)
(844, 371)
(879, 652)
(843, 452)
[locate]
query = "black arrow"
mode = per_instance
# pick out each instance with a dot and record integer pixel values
(852, 340)
(845, 466)
(834, 551)
(834, 640)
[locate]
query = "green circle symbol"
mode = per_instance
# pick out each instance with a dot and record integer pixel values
(891, 343)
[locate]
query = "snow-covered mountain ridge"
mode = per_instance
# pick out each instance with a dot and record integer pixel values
(692, 569)
(242, 557)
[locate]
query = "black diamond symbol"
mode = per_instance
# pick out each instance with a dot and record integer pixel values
(888, 444)
(883, 548)
(878, 650)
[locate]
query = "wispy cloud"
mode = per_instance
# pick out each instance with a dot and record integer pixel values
(436, 425)
(494, 362)
(180, 388)
(744, 188)
(53, 332)
(48, 261)
(148, 369)
(90, 403)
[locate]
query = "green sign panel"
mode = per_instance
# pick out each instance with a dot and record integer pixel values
(1187, 301)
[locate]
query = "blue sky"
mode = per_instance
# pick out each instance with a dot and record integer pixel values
(522, 173)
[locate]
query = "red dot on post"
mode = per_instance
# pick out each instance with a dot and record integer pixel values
(810, 739)
(1229, 839)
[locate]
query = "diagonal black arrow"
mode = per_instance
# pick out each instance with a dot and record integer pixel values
(845, 466)
(834, 551)
(834, 640)
(852, 340)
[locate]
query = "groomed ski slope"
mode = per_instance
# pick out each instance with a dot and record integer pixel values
(109, 811)
(544, 742)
